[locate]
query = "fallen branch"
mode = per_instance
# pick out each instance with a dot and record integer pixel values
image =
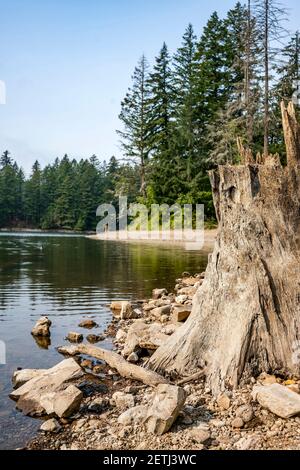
(191, 378)
(115, 361)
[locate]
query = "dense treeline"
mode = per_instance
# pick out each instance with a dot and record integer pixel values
(180, 118)
(183, 117)
(64, 195)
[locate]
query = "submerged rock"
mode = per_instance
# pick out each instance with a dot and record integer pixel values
(88, 323)
(74, 337)
(95, 338)
(42, 327)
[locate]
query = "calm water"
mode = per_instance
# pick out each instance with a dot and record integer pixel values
(68, 278)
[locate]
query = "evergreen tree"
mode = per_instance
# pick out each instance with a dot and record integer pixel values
(165, 163)
(185, 135)
(135, 116)
(32, 197)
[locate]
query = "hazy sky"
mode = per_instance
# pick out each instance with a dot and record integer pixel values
(67, 65)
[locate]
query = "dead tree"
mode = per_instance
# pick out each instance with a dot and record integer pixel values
(246, 315)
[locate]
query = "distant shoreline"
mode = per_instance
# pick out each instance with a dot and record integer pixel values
(121, 236)
(37, 231)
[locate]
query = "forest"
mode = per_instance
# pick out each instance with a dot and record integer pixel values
(180, 118)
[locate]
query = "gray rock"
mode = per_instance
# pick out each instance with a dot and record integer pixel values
(123, 309)
(40, 390)
(123, 400)
(200, 434)
(133, 416)
(67, 403)
(88, 323)
(167, 404)
(51, 425)
(134, 334)
(248, 442)
(158, 312)
(245, 412)
(237, 423)
(42, 327)
(224, 402)
(74, 337)
(133, 357)
(278, 399)
(98, 405)
(181, 313)
(158, 293)
(20, 377)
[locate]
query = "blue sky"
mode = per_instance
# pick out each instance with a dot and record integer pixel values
(67, 65)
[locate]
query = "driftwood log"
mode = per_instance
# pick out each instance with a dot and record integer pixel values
(115, 361)
(246, 315)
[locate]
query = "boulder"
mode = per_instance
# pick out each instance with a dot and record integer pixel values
(166, 405)
(181, 313)
(152, 340)
(158, 293)
(88, 323)
(42, 327)
(20, 377)
(98, 405)
(67, 403)
(95, 338)
(123, 400)
(181, 299)
(74, 337)
(134, 334)
(278, 399)
(159, 311)
(51, 425)
(121, 336)
(189, 291)
(133, 416)
(123, 309)
(35, 394)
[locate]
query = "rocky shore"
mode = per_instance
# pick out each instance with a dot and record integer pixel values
(84, 403)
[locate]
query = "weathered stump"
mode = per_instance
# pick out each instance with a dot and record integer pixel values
(246, 315)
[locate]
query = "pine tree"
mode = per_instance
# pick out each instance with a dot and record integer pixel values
(185, 135)
(135, 116)
(32, 197)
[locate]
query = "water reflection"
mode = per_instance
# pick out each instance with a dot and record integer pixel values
(68, 278)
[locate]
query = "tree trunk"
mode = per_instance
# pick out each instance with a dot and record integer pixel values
(246, 315)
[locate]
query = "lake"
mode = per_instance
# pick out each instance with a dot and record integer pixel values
(67, 278)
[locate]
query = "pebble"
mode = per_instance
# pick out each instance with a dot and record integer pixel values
(237, 423)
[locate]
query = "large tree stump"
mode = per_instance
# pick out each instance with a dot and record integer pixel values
(246, 315)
